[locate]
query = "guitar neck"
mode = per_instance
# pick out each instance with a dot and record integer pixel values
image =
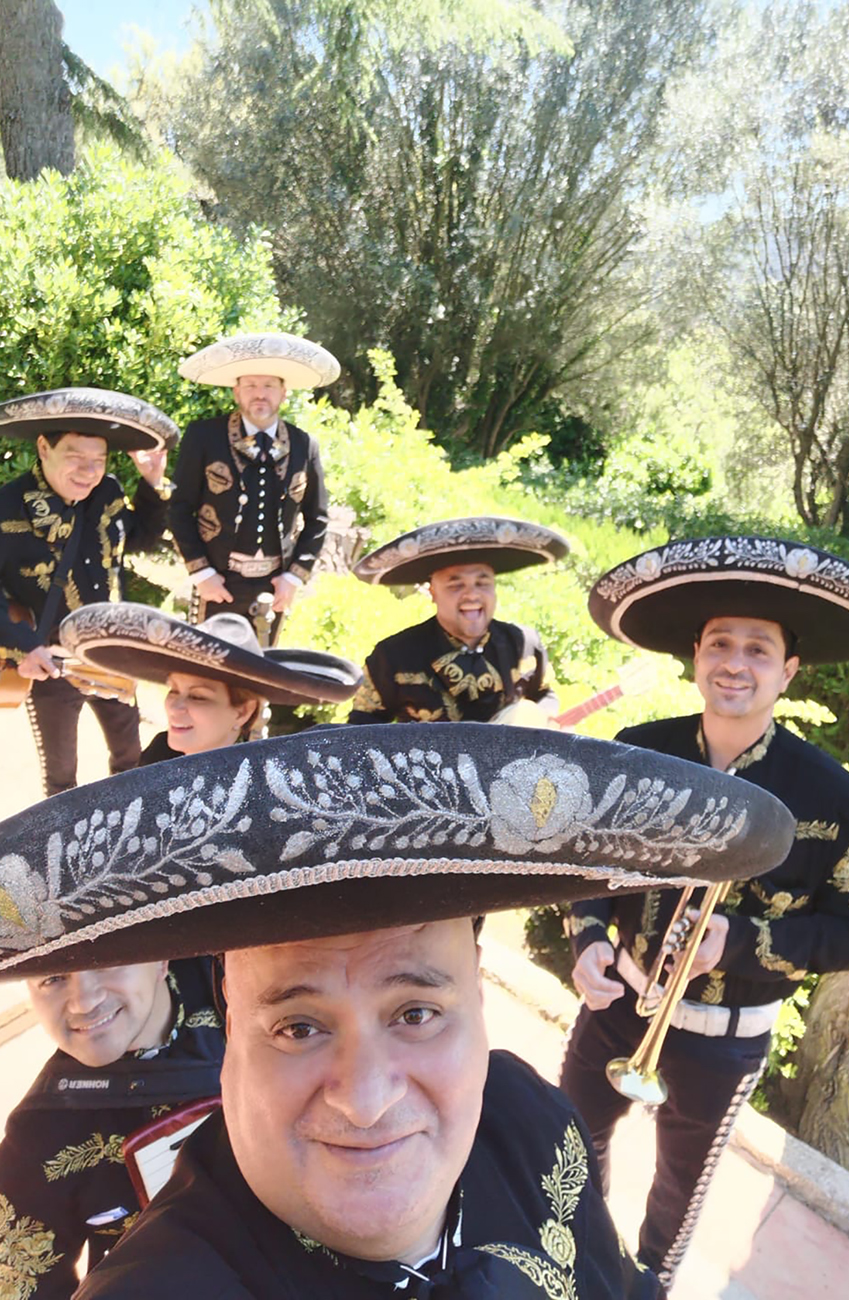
(580, 711)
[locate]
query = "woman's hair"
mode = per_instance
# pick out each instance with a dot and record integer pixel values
(238, 695)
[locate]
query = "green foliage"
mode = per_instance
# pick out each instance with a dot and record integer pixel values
(789, 1030)
(547, 943)
(452, 181)
(108, 277)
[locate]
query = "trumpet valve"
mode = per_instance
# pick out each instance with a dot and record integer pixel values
(645, 1086)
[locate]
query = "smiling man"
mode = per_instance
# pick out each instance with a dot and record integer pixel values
(65, 526)
(462, 664)
(746, 609)
(249, 510)
(370, 1146)
(132, 1041)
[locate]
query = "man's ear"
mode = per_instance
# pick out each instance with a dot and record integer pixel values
(791, 667)
(430, 593)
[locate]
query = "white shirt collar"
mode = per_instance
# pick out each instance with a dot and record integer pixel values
(253, 429)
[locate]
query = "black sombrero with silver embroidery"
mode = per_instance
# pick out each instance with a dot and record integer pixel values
(503, 544)
(298, 361)
(343, 829)
(659, 600)
(127, 423)
(142, 642)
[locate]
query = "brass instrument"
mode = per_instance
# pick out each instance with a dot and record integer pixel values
(637, 1077)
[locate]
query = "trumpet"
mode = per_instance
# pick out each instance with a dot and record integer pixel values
(638, 1077)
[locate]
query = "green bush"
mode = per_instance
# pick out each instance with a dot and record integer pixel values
(110, 276)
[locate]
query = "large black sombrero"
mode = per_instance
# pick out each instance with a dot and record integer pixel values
(300, 362)
(141, 642)
(127, 423)
(503, 544)
(659, 600)
(343, 829)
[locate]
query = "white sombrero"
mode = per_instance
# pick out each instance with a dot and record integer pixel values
(300, 362)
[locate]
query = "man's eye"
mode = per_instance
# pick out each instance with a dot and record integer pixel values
(416, 1016)
(298, 1032)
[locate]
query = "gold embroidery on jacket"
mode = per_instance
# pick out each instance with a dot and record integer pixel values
(209, 525)
(206, 1018)
(42, 572)
(840, 875)
(15, 526)
(817, 830)
(450, 708)
(524, 668)
(219, 477)
(555, 1276)
(26, 1252)
(767, 958)
(757, 751)
(577, 924)
(366, 699)
(714, 989)
(109, 554)
(779, 903)
(84, 1155)
(298, 486)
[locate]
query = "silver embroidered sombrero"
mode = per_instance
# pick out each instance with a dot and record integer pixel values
(343, 829)
(127, 423)
(302, 363)
(149, 645)
(503, 544)
(659, 600)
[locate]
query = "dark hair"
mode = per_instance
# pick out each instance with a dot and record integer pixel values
(53, 439)
(789, 637)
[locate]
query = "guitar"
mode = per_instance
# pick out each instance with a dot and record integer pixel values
(89, 680)
(635, 678)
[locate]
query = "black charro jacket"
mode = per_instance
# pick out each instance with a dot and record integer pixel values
(215, 468)
(424, 675)
(61, 1161)
(527, 1221)
(35, 524)
(790, 921)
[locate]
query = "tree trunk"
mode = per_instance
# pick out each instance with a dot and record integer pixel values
(36, 126)
(818, 1097)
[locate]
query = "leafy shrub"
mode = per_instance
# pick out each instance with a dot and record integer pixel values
(110, 276)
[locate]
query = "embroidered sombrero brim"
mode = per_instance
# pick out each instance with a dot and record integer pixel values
(141, 642)
(660, 599)
(343, 829)
(127, 423)
(503, 544)
(302, 363)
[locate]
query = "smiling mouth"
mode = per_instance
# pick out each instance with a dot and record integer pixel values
(96, 1024)
(364, 1155)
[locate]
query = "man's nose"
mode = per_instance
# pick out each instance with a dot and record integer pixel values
(85, 992)
(366, 1083)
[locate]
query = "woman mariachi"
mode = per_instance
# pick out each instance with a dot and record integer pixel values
(217, 674)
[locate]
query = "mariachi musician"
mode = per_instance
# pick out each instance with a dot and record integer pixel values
(370, 1146)
(746, 609)
(462, 664)
(245, 483)
(65, 526)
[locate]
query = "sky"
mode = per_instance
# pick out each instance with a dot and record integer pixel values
(97, 30)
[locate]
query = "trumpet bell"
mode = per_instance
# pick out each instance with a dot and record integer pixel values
(645, 1086)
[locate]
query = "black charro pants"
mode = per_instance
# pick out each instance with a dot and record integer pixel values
(54, 708)
(709, 1079)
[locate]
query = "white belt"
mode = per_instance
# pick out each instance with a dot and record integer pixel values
(700, 1018)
